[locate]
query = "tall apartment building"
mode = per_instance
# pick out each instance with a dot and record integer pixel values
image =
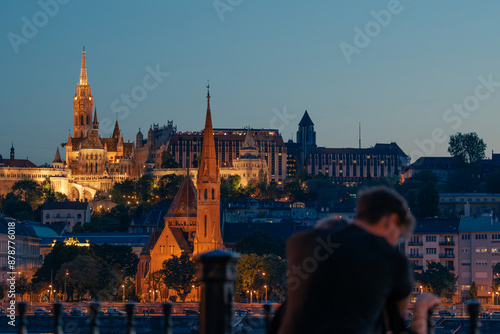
(469, 247)
(434, 240)
(479, 252)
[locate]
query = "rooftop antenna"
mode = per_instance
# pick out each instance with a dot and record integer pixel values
(359, 130)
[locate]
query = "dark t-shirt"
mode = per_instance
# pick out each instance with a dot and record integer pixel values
(340, 281)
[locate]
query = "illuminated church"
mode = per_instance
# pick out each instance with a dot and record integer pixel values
(96, 162)
(192, 223)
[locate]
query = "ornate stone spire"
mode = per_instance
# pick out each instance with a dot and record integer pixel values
(83, 70)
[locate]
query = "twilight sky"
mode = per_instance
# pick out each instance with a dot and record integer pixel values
(413, 72)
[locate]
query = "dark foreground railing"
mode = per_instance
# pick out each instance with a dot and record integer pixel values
(217, 272)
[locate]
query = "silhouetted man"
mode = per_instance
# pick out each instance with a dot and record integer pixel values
(351, 279)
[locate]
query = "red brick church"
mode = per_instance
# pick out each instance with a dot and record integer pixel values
(192, 223)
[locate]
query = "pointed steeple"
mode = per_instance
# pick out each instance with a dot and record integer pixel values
(208, 232)
(116, 131)
(12, 151)
(83, 70)
(208, 170)
(306, 120)
(57, 158)
(95, 122)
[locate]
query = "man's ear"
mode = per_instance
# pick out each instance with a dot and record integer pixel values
(392, 220)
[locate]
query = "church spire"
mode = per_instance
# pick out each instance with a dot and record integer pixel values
(83, 70)
(208, 233)
(208, 171)
(12, 151)
(116, 131)
(95, 122)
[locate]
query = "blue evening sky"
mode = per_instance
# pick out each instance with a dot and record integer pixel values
(267, 62)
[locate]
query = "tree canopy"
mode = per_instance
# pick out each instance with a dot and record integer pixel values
(438, 280)
(168, 161)
(467, 147)
(179, 274)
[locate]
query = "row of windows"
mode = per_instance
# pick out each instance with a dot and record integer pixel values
(451, 200)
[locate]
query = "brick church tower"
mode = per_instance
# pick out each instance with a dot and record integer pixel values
(82, 104)
(208, 234)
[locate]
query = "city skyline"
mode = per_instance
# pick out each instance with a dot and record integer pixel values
(401, 68)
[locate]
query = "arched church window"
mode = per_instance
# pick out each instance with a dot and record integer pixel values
(81, 120)
(213, 193)
(206, 193)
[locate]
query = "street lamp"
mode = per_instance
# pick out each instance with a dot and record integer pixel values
(50, 293)
(157, 293)
(265, 286)
(123, 286)
(249, 295)
(65, 276)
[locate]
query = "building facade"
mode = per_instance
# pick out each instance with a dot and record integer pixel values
(27, 249)
(75, 213)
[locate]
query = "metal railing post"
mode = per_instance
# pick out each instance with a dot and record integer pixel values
(167, 309)
(94, 323)
(21, 308)
(216, 270)
(473, 309)
(57, 318)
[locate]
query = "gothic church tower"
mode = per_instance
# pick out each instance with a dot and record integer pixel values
(208, 234)
(82, 104)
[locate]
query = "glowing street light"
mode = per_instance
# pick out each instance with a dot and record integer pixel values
(265, 286)
(123, 286)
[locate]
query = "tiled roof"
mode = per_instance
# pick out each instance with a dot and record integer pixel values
(184, 203)
(153, 217)
(92, 141)
(18, 163)
(111, 143)
(181, 240)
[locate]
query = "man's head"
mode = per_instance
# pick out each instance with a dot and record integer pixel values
(385, 213)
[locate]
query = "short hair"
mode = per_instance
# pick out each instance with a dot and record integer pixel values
(376, 202)
(330, 222)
